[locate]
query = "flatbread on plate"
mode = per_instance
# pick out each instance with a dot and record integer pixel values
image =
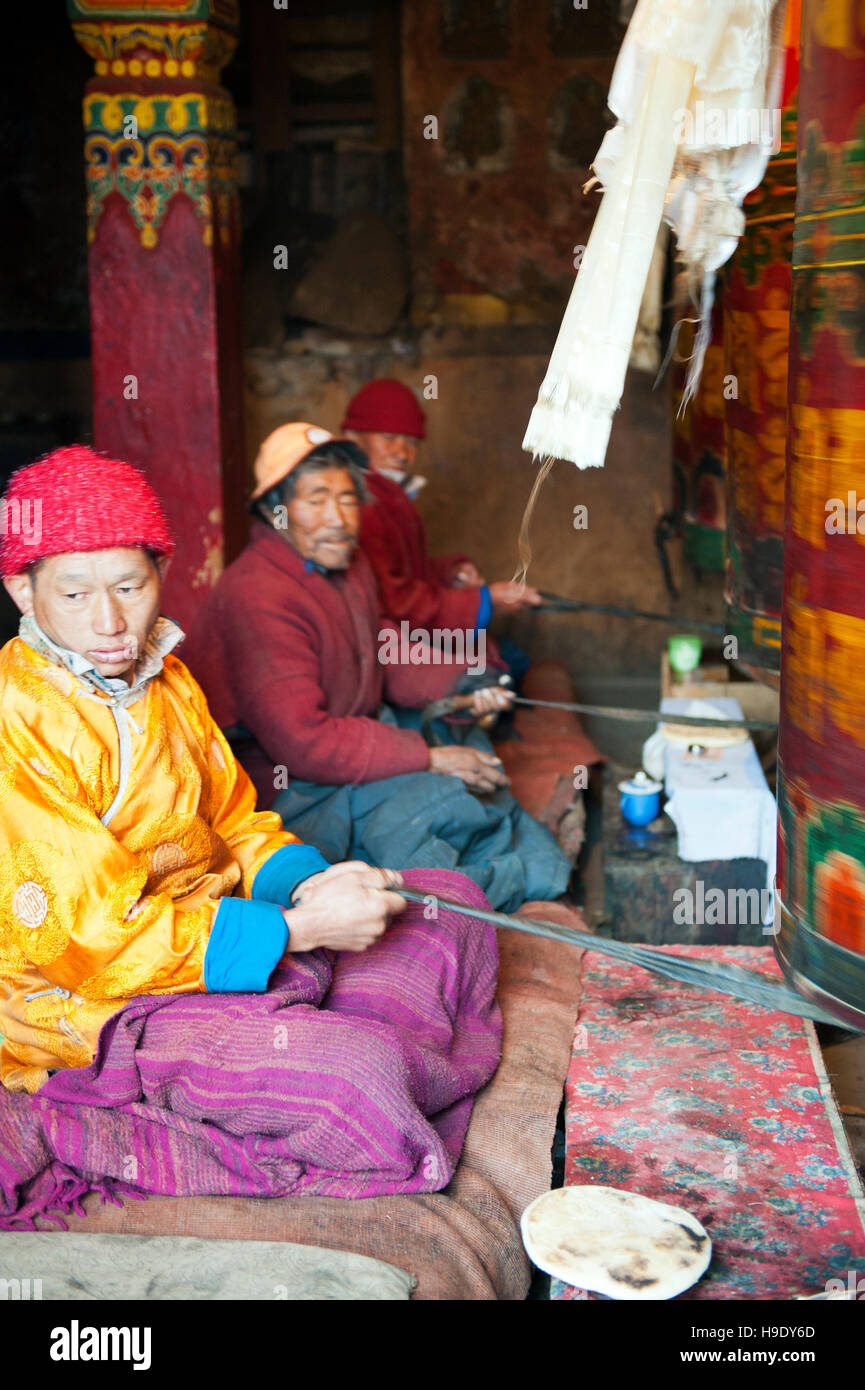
(615, 1243)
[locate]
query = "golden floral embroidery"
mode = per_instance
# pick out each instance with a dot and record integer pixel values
(52, 1040)
(38, 893)
(58, 783)
(255, 863)
(18, 1078)
(179, 849)
(89, 1016)
(7, 781)
(122, 980)
(45, 1011)
(74, 1038)
(222, 770)
(26, 669)
(122, 902)
(174, 757)
(62, 681)
(93, 766)
(12, 959)
(180, 687)
(177, 748)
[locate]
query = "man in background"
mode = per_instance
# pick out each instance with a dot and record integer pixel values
(386, 421)
(296, 661)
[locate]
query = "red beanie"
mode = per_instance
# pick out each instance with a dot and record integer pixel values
(385, 407)
(75, 499)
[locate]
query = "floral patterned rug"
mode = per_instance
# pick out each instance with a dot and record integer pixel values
(721, 1107)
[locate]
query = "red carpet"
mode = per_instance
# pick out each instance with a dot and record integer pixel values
(722, 1107)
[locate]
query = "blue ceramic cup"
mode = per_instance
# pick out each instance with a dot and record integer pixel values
(640, 799)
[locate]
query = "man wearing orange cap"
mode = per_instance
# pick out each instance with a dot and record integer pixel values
(385, 419)
(296, 661)
(157, 933)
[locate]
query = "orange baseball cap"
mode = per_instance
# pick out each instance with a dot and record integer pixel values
(288, 446)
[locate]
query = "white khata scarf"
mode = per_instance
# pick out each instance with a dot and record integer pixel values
(695, 91)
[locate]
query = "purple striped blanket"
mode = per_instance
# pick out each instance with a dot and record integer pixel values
(353, 1076)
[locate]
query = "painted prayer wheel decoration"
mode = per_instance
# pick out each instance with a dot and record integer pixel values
(698, 444)
(756, 334)
(821, 779)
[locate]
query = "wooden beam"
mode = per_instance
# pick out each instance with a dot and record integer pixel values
(270, 47)
(386, 75)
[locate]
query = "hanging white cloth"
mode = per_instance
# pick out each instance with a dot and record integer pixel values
(646, 347)
(694, 90)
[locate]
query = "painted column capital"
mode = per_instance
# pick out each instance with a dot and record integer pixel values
(157, 123)
(181, 38)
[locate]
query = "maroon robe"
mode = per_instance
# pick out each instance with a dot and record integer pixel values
(412, 584)
(292, 655)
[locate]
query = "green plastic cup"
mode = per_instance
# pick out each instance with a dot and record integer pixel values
(684, 651)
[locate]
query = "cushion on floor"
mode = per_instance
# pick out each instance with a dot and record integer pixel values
(551, 743)
(100, 1266)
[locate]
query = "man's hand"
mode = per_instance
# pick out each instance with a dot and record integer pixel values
(481, 772)
(466, 574)
(510, 597)
(343, 908)
(491, 699)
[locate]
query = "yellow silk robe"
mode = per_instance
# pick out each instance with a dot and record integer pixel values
(92, 914)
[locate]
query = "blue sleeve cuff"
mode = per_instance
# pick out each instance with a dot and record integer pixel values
(279, 875)
(246, 941)
(485, 609)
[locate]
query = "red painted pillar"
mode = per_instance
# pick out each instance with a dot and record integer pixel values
(164, 229)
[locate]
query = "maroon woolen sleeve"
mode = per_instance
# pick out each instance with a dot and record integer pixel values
(281, 701)
(416, 685)
(408, 588)
(443, 567)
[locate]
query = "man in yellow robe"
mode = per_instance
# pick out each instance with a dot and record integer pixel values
(181, 980)
(131, 857)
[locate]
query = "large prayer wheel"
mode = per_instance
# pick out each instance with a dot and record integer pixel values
(756, 332)
(820, 916)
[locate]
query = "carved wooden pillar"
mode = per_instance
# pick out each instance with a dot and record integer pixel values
(164, 232)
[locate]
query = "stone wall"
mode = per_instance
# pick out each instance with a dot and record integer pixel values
(503, 108)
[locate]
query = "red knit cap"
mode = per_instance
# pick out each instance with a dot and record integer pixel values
(385, 407)
(74, 499)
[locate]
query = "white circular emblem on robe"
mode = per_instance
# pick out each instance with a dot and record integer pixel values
(167, 857)
(30, 904)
